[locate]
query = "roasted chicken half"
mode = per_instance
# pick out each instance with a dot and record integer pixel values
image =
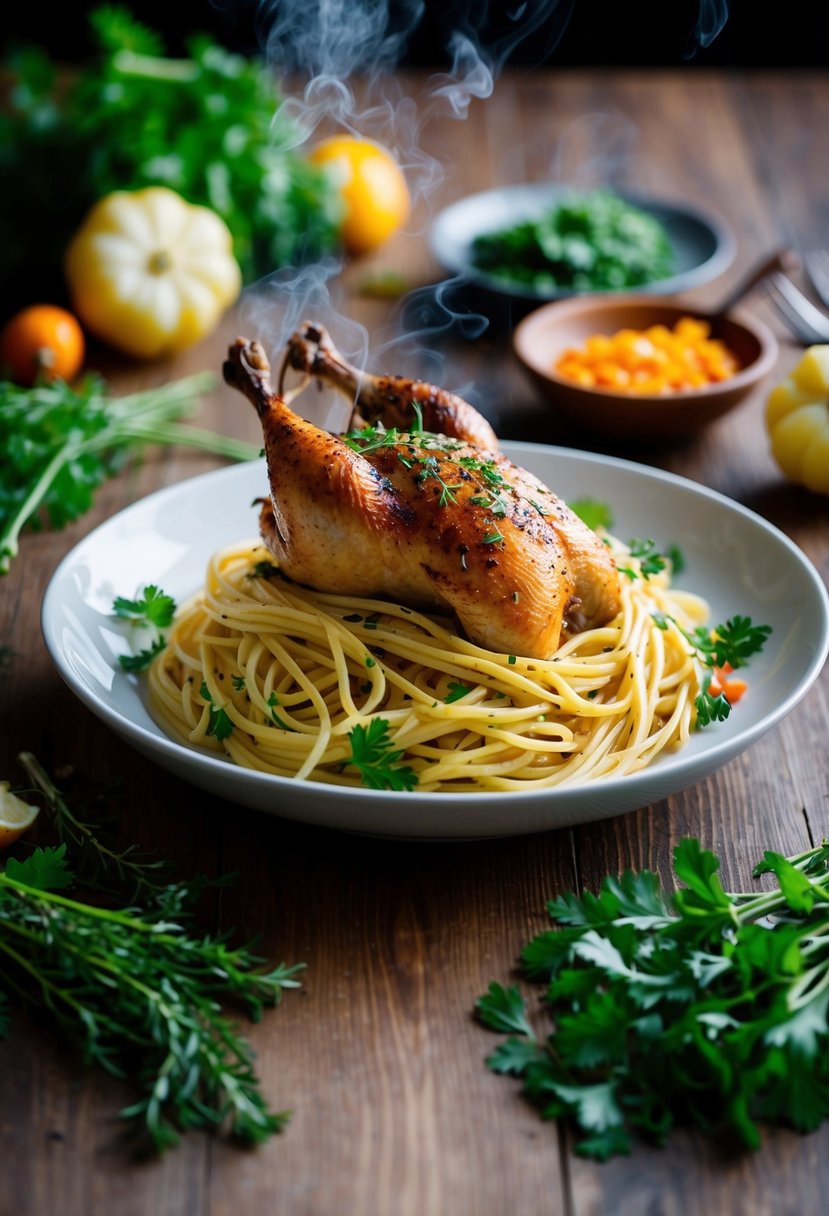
(430, 519)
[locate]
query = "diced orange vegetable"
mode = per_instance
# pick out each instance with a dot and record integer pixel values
(653, 361)
(722, 681)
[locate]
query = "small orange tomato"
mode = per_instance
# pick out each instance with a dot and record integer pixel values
(41, 342)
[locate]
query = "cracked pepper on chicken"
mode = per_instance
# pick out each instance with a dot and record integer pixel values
(418, 505)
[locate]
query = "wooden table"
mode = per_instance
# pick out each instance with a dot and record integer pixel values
(378, 1056)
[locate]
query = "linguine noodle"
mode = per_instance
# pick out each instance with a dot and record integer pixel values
(295, 670)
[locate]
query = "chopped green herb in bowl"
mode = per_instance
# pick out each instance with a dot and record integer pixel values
(591, 241)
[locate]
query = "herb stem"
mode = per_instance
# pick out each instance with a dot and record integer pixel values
(151, 67)
(195, 437)
(10, 536)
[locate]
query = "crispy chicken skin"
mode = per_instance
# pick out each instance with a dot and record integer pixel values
(387, 399)
(426, 520)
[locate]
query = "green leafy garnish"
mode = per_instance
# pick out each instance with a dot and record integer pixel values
(60, 444)
(710, 708)
(456, 691)
(142, 659)
(137, 988)
(584, 242)
(220, 724)
(597, 515)
(209, 126)
(701, 1007)
(650, 560)
(273, 701)
(734, 642)
(153, 609)
(376, 758)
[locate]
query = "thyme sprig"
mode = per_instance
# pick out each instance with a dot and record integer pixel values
(135, 988)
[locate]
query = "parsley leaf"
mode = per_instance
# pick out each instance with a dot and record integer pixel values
(597, 515)
(153, 607)
(700, 1006)
(710, 708)
(650, 561)
(456, 691)
(220, 724)
(374, 755)
(44, 869)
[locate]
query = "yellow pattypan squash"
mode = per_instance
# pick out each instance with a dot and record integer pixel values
(150, 273)
(797, 418)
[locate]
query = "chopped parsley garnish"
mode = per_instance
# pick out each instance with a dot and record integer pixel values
(220, 724)
(710, 708)
(456, 691)
(734, 642)
(272, 702)
(676, 557)
(597, 515)
(650, 560)
(492, 538)
(142, 660)
(376, 758)
(153, 609)
(263, 569)
(731, 644)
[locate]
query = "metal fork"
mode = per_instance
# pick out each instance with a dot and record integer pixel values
(817, 265)
(806, 322)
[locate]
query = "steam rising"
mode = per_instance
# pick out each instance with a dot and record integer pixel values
(713, 14)
(321, 46)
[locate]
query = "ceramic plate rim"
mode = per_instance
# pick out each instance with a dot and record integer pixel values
(592, 795)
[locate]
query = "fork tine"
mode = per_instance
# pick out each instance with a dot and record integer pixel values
(817, 266)
(789, 316)
(806, 321)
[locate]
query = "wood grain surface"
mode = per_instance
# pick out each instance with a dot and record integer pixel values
(378, 1055)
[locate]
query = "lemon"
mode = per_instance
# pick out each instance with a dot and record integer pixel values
(372, 187)
(16, 816)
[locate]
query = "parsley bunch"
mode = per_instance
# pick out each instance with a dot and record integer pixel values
(207, 126)
(60, 443)
(701, 1007)
(135, 988)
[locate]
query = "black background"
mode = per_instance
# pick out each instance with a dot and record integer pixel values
(579, 33)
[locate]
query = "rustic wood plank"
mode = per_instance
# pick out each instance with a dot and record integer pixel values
(378, 1055)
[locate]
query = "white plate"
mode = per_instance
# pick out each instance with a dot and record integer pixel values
(734, 558)
(703, 245)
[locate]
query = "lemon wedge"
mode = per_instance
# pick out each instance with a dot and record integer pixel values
(16, 816)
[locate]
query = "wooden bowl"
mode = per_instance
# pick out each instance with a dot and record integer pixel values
(543, 336)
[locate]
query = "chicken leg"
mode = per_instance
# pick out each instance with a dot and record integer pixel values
(387, 399)
(426, 520)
